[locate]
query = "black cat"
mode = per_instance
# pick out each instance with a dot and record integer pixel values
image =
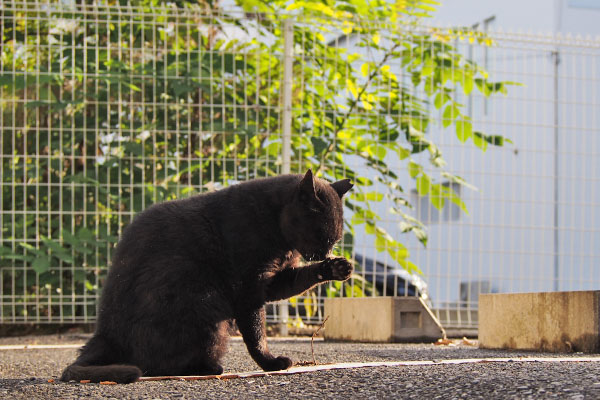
(183, 270)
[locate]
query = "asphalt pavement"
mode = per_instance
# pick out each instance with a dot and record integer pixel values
(33, 374)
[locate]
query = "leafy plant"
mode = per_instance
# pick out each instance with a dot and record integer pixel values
(369, 75)
(105, 112)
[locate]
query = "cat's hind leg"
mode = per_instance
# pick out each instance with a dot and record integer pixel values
(207, 352)
(188, 350)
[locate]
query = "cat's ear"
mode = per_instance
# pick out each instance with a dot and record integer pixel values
(341, 187)
(306, 188)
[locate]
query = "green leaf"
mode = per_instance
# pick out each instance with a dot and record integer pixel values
(334, 289)
(348, 243)
(308, 306)
(446, 75)
(357, 219)
(414, 169)
(497, 140)
(134, 148)
(41, 264)
(58, 250)
(18, 82)
(364, 69)
(319, 144)
(380, 243)
(467, 83)
(377, 151)
(398, 251)
(423, 185)
(410, 267)
(353, 290)
(354, 56)
(54, 246)
(85, 235)
(369, 196)
(5, 251)
(499, 87)
(33, 250)
(8, 254)
(464, 130)
(458, 201)
(132, 86)
(436, 197)
(402, 152)
(428, 68)
(480, 140)
(38, 103)
(440, 99)
(450, 113)
(429, 87)
(363, 181)
(352, 88)
(6, 80)
(45, 94)
(483, 87)
(458, 179)
(376, 39)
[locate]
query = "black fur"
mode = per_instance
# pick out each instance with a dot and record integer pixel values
(183, 270)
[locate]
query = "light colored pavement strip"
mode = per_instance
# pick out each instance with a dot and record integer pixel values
(40, 346)
(327, 367)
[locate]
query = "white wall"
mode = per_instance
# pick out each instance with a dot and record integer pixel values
(565, 16)
(508, 238)
(510, 14)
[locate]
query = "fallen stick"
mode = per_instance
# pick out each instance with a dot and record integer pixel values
(312, 339)
(312, 347)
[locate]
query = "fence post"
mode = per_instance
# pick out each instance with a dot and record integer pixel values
(556, 57)
(288, 56)
(286, 146)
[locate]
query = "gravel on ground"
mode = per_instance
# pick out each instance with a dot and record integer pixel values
(25, 374)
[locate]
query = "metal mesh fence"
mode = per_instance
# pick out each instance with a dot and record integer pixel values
(532, 223)
(532, 204)
(106, 110)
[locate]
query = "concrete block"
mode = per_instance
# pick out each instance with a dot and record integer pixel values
(553, 321)
(380, 319)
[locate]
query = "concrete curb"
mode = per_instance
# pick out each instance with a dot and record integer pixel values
(551, 321)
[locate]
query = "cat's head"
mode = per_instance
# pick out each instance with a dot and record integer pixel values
(312, 222)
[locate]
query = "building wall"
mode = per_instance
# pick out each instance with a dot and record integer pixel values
(510, 241)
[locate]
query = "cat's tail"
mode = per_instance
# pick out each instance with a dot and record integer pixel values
(99, 361)
(100, 373)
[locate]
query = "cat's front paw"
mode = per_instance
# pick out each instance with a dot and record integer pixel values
(338, 268)
(277, 364)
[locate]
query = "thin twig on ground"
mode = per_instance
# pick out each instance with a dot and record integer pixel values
(312, 339)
